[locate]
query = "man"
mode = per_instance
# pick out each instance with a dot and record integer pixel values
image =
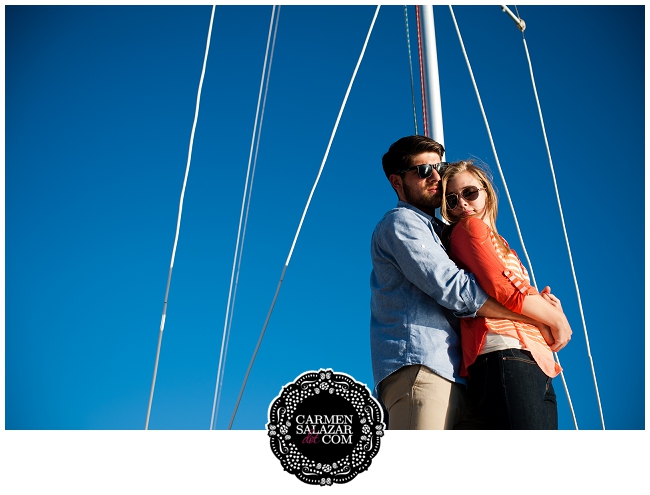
(417, 296)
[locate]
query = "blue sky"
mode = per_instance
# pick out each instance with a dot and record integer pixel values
(99, 104)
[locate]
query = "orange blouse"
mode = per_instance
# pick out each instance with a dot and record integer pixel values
(473, 247)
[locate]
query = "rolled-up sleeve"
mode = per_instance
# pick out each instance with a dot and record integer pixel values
(413, 246)
(472, 247)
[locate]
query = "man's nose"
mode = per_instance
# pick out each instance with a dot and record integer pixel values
(434, 177)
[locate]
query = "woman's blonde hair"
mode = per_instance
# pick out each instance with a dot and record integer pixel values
(483, 176)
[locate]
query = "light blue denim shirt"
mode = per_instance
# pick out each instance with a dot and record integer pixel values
(417, 296)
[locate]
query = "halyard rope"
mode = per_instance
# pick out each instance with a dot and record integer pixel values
(304, 213)
(245, 208)
(566, 237)
(408, 46)
(505, 185)
(178, 221)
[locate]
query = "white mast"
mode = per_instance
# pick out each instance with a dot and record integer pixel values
(431, 78)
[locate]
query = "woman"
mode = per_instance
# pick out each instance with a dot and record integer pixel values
(509, 364)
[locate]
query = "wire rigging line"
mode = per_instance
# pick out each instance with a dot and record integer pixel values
(408, 46)
(425, 120)
(521, 25)
(178, 221)
(304, 213)
(566, 236)
(245, 208)
(505, 185)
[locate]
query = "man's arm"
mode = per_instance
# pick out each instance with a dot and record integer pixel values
(407, 241)
(552, 324)
(540, 309)
(494, 309)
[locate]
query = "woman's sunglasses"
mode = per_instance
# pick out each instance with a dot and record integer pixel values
(470, 193)
(425, 171)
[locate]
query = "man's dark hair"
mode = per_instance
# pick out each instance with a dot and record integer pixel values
(401, 152)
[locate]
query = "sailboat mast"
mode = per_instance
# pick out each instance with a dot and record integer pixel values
(431, 79)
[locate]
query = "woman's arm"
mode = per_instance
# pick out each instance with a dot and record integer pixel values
(539, 309)
(472, 246)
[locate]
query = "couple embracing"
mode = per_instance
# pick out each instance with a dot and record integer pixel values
(459, 338)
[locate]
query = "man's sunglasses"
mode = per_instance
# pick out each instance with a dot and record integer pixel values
(470, 193)
(425, 171)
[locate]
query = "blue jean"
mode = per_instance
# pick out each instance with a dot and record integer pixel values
(510, 392)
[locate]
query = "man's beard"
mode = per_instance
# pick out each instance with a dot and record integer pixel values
(427, 204)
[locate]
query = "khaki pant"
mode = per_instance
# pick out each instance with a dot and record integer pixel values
(418, 399)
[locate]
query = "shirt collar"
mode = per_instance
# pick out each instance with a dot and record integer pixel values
(436, 222)
(404, 204)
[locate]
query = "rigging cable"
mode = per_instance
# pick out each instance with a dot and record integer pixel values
(559, 203)
(304, 213)
(178, 221)
(408, 46)
(425, 120)
(245, 208)
(505, 185)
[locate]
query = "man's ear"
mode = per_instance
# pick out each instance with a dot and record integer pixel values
(396, 182)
